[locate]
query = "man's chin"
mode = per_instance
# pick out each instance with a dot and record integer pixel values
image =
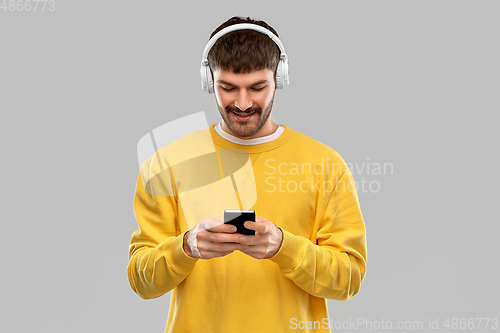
(243, 134)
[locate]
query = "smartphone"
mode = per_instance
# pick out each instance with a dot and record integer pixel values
(238, 218)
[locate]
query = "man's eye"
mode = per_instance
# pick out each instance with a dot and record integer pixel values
(231, 89)
(258, 89)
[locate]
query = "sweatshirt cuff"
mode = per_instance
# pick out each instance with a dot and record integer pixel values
(176, 256)
(291, 251)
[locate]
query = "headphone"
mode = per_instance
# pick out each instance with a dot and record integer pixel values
(282, 79)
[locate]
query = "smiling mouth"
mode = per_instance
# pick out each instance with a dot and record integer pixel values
(243, 114)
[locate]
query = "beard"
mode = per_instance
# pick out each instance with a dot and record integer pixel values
(244, 129)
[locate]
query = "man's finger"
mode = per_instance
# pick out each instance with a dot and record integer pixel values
(218, 247)
(250, 239)
(227, 228)
(260, 227)
(220, 237)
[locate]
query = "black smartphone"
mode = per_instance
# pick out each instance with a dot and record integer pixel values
(238, 218)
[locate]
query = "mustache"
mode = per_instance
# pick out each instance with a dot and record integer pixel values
(232, 108)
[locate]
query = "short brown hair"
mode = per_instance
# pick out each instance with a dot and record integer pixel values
(244, 51)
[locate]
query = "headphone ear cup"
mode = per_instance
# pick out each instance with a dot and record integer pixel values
(279, 75)
(210, 82)
(206, 79)
(284, 72)
(203, 78)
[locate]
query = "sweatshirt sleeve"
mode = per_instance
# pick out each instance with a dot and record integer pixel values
(157, 261)
(335, 266)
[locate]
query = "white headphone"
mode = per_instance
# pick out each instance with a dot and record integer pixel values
(282, 79)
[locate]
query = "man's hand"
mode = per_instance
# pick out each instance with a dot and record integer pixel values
(211, 238)
(266, 242)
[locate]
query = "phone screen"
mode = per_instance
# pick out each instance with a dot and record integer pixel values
(238, 218)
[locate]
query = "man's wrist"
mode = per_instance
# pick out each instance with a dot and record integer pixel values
(279, 242)
(280, 239)
(185, 245)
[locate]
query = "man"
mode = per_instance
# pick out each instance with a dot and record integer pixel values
(309, 241)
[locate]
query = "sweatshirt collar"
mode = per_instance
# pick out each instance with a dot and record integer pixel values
(265, 143)
(248, 142)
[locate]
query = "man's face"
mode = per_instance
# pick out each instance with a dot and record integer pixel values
(250, 95)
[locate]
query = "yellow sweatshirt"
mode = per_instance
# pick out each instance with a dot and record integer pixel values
(301, 185)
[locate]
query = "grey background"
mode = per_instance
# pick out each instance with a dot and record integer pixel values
(412, 83)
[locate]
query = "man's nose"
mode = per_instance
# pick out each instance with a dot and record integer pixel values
(243, 102)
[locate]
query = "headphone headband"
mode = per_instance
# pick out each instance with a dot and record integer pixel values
(243, 26)
(282, 79)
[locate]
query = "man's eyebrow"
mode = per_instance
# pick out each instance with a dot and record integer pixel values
(253, 84)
